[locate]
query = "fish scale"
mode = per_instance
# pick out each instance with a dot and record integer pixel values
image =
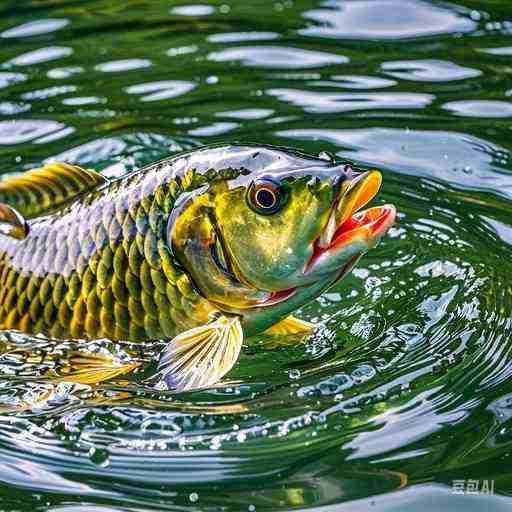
(99, 266)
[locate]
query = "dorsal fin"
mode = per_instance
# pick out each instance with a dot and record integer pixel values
(38, 190)
(12, 222)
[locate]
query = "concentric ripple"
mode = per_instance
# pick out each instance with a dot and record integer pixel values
(406, 384)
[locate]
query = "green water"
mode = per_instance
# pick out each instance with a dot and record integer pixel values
(406, 386)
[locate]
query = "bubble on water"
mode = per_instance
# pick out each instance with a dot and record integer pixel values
(99, 457)
(363, 373)
(193, 497)
(251, 508)
(294, 374)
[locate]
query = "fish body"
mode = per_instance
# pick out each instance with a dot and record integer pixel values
(200, 249)
(98, 267)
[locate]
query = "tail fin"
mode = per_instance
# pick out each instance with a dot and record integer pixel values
(36, 191)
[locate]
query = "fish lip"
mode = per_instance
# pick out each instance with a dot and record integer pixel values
(372, 223)
(359, 191)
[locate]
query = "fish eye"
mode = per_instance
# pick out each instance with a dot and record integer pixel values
(266, 196)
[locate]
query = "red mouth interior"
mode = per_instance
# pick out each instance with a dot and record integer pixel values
(375, 219)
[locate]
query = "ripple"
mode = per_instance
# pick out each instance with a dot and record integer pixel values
(358, 82)
(65, 72)
(455, 158)
(181, 50)
(504, 50)
(385, 19)
(41, 55)
(92, 152)
(83, 100)
(428, 70)
(7, 79)
(48, 92)
(115, 66)
(247, 113)
(163, 90)
(480, 108)
(234, 37)
(277, 57)
(35, 28)
(504, 231)
(213, 129)
(321, 102)
(27, 130)
(193, 10)
(10, 108)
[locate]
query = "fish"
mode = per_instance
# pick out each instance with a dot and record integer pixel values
(201, 250)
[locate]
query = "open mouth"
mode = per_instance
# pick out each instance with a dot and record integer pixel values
(347, 222)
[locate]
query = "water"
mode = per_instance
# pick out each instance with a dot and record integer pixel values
(406, 386)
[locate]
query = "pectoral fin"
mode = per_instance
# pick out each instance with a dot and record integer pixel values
(88, 368)
(291, 325)
(201, 356)
(12, 222)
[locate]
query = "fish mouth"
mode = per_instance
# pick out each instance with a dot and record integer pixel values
(346, 224)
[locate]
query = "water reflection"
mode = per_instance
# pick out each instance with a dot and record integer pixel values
(356, 82)
(193, 10)
(21, 131)
(480, 108)
(455, 158)
(386, 19)
(163, 90)
(7, 79)
(235, 37)
(277, 57)
(115, 66)
(41, 55)
(428, 70)
(35, 28)
(65, 72)
(321, 102)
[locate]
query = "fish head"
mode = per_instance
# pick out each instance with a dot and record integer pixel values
(264, 243)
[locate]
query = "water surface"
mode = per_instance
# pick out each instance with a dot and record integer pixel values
(405, 387)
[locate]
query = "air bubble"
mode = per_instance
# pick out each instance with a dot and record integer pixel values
(294, 374)
(99, 456)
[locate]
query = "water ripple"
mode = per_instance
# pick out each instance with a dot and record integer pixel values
(480, 108)
(41, 55)
(163, 90)
(116, 66)
(22, 131)
(386, 19)
(428, 70)
(455, 158)
(35, 28)
(277, 57)
(320, 102)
